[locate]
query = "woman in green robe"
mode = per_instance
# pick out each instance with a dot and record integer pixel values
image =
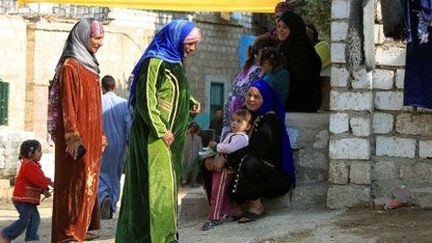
(160, 100)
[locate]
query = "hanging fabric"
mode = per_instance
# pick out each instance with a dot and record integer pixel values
(360, 47)
(418, 80)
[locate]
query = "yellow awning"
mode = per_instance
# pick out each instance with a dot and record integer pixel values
(256, 6)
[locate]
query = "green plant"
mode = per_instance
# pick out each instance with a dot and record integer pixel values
(317, 12)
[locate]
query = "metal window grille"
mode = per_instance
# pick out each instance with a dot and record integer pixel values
(4, 97)
(216, 97)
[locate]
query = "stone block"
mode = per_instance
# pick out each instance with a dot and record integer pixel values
(425, 149)
(340, 9)
(385, 188)
(339, 30)
(385, 170)
(403, 194)
(360, 126)
(348, 196)
(422, 197)
(338, 173)
(339, 122)
(309, 196)
(339, 77)
(419, 173)
(379, 34)
(382, 122)
(414, 124)
(378, 14)
(337, 52)
(389, 100)
(395, 147)
(400, 76)
(306, 127)
(383, 79)
(311, 165)
(349, 148)
(360, 173)
(322, 139)
(356, 101)
(390, 56)
(193, 206)
(362, 79)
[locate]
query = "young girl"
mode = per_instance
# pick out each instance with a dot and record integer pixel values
(190, 156)
(273, 73)
(30, 184)
(220, 206)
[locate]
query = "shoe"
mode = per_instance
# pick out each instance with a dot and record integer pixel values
(106, 208)
(91, 236)
(210, 224)
(250, 217)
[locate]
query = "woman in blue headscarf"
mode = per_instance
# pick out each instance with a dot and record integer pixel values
(160, 102)
(265, 167)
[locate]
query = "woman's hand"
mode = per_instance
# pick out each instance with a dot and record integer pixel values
(168, 138)
(196, 108)
(208, 163)
(72, 149)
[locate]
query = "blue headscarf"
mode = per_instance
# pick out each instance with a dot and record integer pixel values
(166, 45)
(271, 102)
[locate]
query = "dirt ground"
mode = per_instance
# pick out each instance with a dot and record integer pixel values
(407, 224)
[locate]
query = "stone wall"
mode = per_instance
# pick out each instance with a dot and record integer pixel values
(13, 66)
(33, 37)
(376, 144)
(10, 142)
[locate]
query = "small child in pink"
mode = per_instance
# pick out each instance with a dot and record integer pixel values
(220, 205)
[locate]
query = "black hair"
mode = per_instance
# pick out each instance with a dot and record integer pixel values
(28, 148)
(108, 83)
(260, 42)
(272, 55)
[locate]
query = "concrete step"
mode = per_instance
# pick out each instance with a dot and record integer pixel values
(194, 203)
(304, 197)
(309, 137)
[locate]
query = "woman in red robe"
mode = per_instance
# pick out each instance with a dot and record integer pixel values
(74, 120)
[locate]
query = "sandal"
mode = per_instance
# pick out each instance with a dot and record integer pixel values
(91, 236)
(210, 224)
(250, 217)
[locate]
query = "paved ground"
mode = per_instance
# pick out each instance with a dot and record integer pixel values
(283, 225)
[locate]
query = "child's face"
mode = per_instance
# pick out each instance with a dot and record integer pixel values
(238, 124)
(36, 156)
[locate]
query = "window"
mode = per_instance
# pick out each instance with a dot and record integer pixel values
(216, 97)
(4, 96)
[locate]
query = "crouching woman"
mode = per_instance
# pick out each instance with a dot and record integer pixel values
(264, 169)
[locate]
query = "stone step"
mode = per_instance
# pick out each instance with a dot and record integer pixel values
(303, 197)
(194, 203)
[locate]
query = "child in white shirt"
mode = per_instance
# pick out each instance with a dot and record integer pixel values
(220, 206)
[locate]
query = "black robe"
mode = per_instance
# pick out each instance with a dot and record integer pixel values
(258, 166)
(304, 66)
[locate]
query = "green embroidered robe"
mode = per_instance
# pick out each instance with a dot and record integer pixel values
(149, 204)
